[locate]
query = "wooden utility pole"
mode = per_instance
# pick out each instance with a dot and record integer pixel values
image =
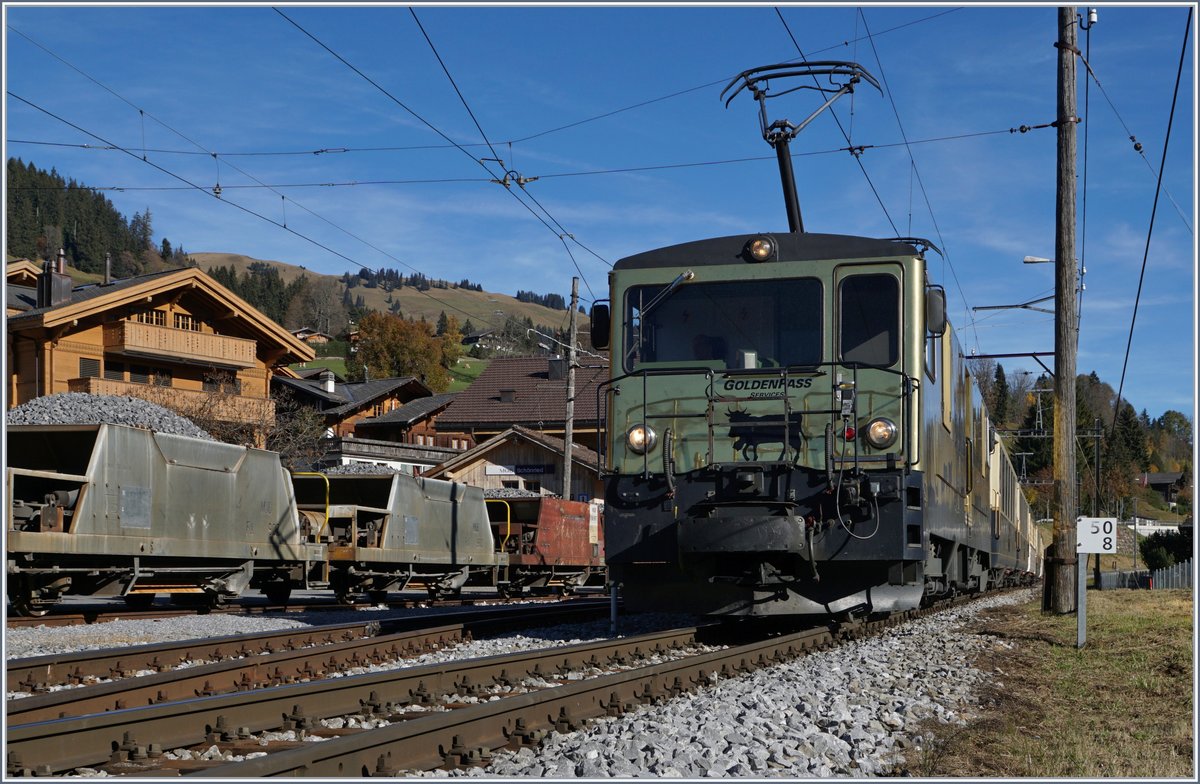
(569, 428)
(1062, 590)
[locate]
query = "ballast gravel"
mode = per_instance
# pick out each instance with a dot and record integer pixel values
(856, 710)
(80, 408)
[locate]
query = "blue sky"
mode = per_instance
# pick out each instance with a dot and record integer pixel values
(243, 79)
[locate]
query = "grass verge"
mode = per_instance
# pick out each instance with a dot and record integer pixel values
(1120, 707)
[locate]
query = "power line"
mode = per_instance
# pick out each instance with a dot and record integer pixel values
(216, 190)
(1137, 146)
(504, 182)
(427, 124)
(247, 210)
(857, 149)
(917, 171)
(833, 111)
(1153, 211)
(453, 83)
(718, 82)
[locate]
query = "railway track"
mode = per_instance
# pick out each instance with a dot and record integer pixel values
(236, 664)
(103, 613)
(450, 714)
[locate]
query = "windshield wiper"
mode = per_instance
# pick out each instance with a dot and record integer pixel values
(634, 346)
(684, 277)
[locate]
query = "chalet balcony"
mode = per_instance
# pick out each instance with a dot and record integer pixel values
(229, 408)
(178, 345)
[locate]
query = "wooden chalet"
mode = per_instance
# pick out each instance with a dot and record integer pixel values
(172, 337)
(344, 405)
(526, 391)
(527, 460)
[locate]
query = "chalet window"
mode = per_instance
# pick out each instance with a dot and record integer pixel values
(533, 486)
(139, 374)
(184, 321)
(156, 317)
(511, 484)
(114, 371)
(89, 367)
(161, 378)
(223, 382)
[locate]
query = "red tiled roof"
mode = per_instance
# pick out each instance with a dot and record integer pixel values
(537, 401)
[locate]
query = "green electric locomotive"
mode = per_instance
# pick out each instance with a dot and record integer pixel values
(792, 430)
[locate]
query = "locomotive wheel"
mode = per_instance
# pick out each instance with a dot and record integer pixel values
(345, 599)
(377, 597)
(278, 594)
(139, 601)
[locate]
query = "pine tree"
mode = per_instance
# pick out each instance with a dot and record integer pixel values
(1000, 393)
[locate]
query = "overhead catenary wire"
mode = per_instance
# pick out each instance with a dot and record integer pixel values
(1137, 146)
(1153, 211)
(857, 149)
(427, 124)
(216, 157)
(467, 106)
(916, 170)
(247, 210)
(833, 111)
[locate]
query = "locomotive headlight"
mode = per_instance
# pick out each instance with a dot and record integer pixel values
(641, 439)
(880, 433)
(761, 249)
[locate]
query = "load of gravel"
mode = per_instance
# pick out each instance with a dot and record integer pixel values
(369, 469)
(80, 408)
(512, 492)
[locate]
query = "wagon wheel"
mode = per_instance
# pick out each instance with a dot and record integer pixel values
(25, 601)
(344, 598)
(139, 601)
(377, 597)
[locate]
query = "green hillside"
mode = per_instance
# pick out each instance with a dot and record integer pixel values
(486, 310)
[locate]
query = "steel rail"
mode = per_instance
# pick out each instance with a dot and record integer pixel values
(105, 613)
(37, 672)
(273, 669)
(115, 736)
(468, 735)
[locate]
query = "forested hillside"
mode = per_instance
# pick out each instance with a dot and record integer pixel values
(47, 212)
(1130, 444)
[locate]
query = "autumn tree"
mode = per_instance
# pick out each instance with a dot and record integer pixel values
(389, 346)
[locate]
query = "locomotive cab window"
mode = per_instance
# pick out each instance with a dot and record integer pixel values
(870, 320)
(725, 325)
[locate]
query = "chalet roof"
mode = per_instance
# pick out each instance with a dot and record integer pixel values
(94, 298)
(22, 298)
(347, 397)
(411, 412)
(536, 400)
(308, 332)
(21, 272)
(314, 372)
(1161, 478)
(581, 455)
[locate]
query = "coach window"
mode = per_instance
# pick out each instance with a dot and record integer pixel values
(870, 320)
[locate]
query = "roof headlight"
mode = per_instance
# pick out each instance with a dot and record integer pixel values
(641, 439)
(880, 433)
(761, 249)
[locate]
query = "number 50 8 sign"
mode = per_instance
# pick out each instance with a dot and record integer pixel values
(1096, 535)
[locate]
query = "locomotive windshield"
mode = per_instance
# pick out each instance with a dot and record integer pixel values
(726, 324)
